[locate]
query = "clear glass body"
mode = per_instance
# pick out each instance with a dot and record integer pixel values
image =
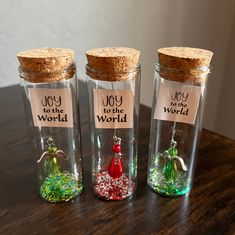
(56, 146)
(173, 143)
(114, 147)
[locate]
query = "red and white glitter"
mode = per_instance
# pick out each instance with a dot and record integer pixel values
(109, 188)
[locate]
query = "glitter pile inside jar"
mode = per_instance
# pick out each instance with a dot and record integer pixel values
(176, 187)
(109, 188)
(59, 188)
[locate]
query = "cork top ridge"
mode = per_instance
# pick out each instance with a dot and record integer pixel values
(112, 60)
(184, 57)
(45, 59)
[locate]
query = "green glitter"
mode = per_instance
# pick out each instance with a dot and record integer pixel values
(175, 187)
(59, 188)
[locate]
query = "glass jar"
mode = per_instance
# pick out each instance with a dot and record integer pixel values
(49, 84)
(179, 96)
(114, 109)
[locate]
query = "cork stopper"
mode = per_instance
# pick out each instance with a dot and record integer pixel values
(112, 63)
(47, 64)
(184, 64)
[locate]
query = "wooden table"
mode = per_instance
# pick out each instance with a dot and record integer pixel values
(209, 209)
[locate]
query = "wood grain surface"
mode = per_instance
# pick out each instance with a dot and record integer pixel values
(209, 209)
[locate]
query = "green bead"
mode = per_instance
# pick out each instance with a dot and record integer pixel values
(172, 151)
(52, 149)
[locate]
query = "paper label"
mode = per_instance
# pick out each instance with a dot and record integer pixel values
(51, 107)
(177, 102)
(113, 108)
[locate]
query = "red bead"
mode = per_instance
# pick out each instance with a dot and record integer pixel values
(116, 148)
(115, 168)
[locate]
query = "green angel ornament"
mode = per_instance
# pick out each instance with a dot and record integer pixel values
(170, 168)
(51, 164)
